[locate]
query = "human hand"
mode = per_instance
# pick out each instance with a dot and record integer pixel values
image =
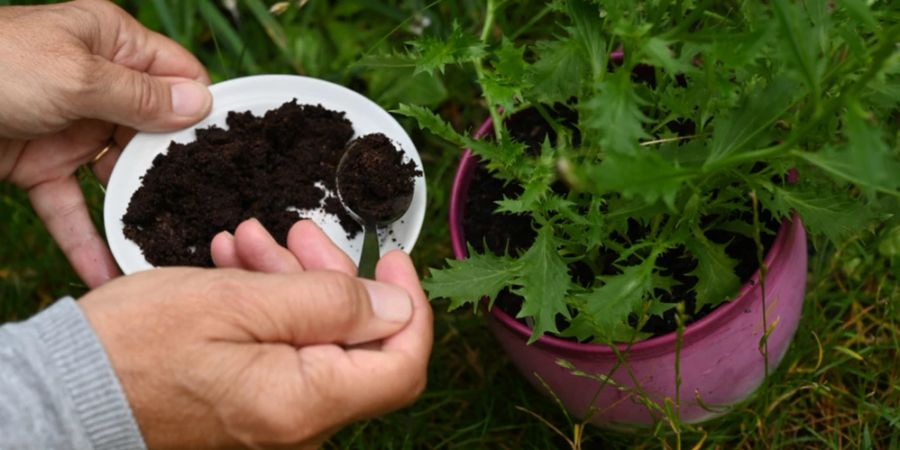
(77, 78)
(216, 358)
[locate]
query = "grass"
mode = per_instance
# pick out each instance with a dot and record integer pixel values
(838, 386)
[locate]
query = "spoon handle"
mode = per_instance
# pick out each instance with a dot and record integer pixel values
(370, 252)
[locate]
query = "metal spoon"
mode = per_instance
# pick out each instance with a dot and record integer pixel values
(370, 250)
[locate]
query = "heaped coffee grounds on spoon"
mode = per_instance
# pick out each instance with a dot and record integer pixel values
(374, 180)
(264, 167)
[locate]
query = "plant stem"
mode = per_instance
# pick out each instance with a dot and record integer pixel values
(537, 17)
(488, 20)
(479, 70)
(671, 139)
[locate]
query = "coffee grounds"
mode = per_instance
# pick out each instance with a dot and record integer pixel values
(262, 167)
(374, 181)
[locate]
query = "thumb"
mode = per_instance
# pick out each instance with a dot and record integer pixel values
(143, 101)
(311, 308)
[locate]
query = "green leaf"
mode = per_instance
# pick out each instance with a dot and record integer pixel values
(737, 130)
(890, 242)
(503, 157)
(646, 175)
(222, 29)
(588, 32)
(544, 283)
(866, 160)
(430, 121)
(738, 49)
(505, 83)
(510, 61)
(830, 214)
(469, 280)
(614, 115)
(859, 11)
(799, 39)
(659, 54)
(559, 71)
(716, 280)
(435, 53)
(390, 87)
(535, 179)
(605, 309)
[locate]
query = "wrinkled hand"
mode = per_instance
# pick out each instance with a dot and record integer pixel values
(215, 358)
(75, 78)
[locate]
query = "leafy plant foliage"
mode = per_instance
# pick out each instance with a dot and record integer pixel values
(735, 100)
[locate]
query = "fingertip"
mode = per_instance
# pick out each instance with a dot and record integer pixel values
(307, 228)
(98, 272)
(223, 251)
(251, 230)
(396, 265)
(191, 99)
(389, 302)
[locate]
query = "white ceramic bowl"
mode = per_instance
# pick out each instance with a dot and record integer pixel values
(259, 94)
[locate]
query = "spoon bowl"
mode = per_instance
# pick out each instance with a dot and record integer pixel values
(382, 211)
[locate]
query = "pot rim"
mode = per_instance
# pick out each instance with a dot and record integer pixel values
(705, 325)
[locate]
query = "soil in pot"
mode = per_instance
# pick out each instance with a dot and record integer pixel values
(268, 167)
(502, 233)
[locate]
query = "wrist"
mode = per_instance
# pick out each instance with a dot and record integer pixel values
(87, 377)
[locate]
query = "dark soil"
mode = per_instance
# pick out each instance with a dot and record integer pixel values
(507, 233)
(260, 167)
(374, 181)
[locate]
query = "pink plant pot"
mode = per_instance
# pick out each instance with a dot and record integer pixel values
(721, 359)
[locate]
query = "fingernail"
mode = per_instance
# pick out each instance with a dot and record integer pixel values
(189, 98)
(389, 302)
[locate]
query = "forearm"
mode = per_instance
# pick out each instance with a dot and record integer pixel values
(57, 387)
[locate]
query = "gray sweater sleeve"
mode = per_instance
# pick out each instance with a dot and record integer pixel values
(57, 386)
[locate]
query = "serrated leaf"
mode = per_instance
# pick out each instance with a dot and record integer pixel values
(390, 87)
(659, 54)
(468, 281)
(716, 280)
(535, 178)
(737, 49)
(660, 308)
(859, 11)
(646, 175)
(605, 309)
(528, 201)
(506, 81)
(544, 283)
(833, 215)
(558, 72)
(737, 130)
(612, 116)
(510, 61)
(588, 32)
(866, 160)
(799, 39)
(435, 53)
(432, 122)
(503, 157)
